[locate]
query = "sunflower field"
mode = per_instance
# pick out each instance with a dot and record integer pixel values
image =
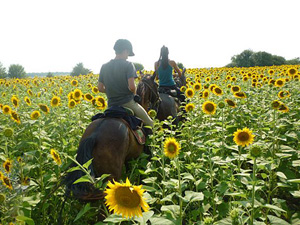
(234, 160)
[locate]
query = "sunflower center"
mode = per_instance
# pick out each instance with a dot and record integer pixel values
(209, 107)
(218, 90)
(292, 71)
(55, 101)
(243, 136)
(127, 198)
(229, 102)
(171, 148)
(279, 82)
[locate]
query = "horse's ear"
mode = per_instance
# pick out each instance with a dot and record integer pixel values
(153, 76)
(183, 71)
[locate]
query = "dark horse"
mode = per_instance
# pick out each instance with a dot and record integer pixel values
(165, 104)
(110, 142)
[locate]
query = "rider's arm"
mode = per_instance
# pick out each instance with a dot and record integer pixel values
(131, 85)
(155, 69)
(101, 87)
(174, 65)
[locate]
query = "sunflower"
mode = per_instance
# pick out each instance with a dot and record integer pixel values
(77, 94)
(100, 102)
(183, 88)
(1, 175)
(271, 72)
(212, 87)
(189, 107)
(71, 95)
(218, 91)
(233, 78)
(235, 88)
(205, 94)
(152, 113)
(15, 117)
(6, 109)
(189, 92)
(27, 100)
(207, 79)
(283, 94)
(71, 104)
(279, 82)
(271, 82)
(292, 71)
(44, 108)
(95, 90)
(74, 83)
(171, 148)
(240, 94)
(245, 78)
(276, 104)
(25, 181)
(7, 165)
(55, 101)
(283, 108)
(6, 182)
(29, 92)
(35, 115)
(8, 132)
(197, 86)
(15, 101)
(125, 199)
(230, 103)
(243, 137)
(209, 107)
(55, 156)
(89, 85)
(88, 97)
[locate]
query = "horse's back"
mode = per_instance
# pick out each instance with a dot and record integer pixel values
(167, 107)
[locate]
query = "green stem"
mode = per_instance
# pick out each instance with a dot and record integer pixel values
(253, 192)
(179, 189)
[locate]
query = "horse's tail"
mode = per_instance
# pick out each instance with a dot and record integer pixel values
(83, 190)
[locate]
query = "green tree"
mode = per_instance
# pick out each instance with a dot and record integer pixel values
(3, 73)
(16, 71)
(278, 60)
(49, 74)
(262, 59)
(138, 66)
(244, 59)
(180, 65)
(295, 61)
(80, 70)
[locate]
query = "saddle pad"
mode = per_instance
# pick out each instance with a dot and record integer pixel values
(140, 136)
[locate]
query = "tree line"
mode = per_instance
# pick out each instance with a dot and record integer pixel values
(249, 58)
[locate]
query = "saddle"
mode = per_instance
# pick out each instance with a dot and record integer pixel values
(132, 122)
(169, 91)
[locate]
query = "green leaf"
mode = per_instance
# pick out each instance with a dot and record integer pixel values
(86, 208)
(277, 221)
(191, 196)
(146, 216)
(73, 169)
(25, 219)
(273, 207)
(296, 194)
(160, 220)
(297, 181)
(84, 178)
(88, 163)
(114, 218)
(172, 209)
(168, 198)
(226, 221)
(282, 175)
(296, 163)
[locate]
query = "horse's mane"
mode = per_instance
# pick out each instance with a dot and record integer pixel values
(142, 87)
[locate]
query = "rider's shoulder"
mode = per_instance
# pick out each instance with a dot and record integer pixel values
(172, 62)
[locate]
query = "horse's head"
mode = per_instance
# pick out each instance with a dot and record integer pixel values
(148, 90)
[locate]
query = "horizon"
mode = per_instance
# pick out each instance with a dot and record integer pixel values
(52, 36)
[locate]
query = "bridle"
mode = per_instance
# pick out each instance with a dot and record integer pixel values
(154, 96)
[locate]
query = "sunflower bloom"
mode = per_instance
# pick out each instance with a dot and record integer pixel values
(15, 101)
(6, 109)
(279, 82)
(189, 107)
(100, 102)
(35, 115)
(209, 107)
(283, 108)
(95, 90)
(292, 71)
(77, 94)
(205, 94)
(55, 101)
(15, 117)
(218, 91)
(71, 104)
(55, 156)
(44, 108)
(74, 83)
(6, 182)
(189, 92)
(243, 137)
(235, 88)
(88, 97)
(230, 103)
(7, 165)
(276, 104)
(28, 101)
(171, 148)
(197, 86)
(240, 94)
(125, 199)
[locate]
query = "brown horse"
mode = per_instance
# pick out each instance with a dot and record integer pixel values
(110, 142)
(165, 104)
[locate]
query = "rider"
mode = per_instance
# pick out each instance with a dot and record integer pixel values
(163, 68)
(116, 79)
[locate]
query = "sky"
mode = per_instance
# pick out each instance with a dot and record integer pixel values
(55, 35)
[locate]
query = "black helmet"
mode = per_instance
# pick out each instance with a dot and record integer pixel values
(123, 44)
